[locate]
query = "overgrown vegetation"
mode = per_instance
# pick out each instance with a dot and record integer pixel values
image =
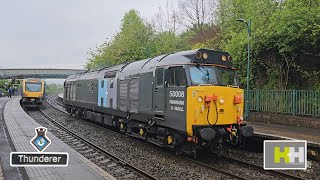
(285, 38)
(6, 83)
(54, 89)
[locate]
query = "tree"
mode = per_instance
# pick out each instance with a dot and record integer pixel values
(282, 33)
(196, 14)
(128, 45)
(54, 88)
(166, 19)
(285, 38)
(167, 42)
(295, 36)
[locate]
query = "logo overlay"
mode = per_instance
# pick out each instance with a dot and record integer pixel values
(40, 142)
(285, 154)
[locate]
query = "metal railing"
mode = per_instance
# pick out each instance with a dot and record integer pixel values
(295, 102)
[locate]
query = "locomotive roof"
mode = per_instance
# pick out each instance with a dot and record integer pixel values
(182, 57)
(32, 79)
(202, 56)
(100, 73)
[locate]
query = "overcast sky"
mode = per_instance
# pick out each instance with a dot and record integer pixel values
(59, 33)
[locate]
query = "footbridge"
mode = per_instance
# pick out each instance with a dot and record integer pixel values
(45, 73)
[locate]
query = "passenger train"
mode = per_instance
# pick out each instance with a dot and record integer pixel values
(33, 91)
(188, 100)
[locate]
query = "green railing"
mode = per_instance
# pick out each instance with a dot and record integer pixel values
(295, 102)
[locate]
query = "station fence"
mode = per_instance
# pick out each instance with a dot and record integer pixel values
(295, 102)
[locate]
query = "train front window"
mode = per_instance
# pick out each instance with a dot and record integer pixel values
(227, 77)
(201, 75)
(33, 87)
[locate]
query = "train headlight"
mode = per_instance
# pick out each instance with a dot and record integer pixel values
(221, 101)
(198, 54)
(200, 99)
(224, 58)
(205, 55)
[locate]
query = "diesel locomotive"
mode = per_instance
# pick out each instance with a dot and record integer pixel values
(187, 100)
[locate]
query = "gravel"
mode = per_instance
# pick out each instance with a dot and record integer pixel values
(158, 162)
(257, 158)
(162, 163)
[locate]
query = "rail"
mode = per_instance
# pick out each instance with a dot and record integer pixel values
(123, 162)
(216, 169)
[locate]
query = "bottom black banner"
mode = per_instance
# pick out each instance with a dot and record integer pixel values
(39, 159)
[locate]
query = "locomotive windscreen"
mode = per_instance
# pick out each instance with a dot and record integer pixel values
(213, 75)
(33, 87)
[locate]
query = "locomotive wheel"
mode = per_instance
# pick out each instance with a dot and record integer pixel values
(216, 149)
(141, 132)
(219, 150)
(71, 111)
(169, 139)
(194, 150)
(122, 127)
(234, 140)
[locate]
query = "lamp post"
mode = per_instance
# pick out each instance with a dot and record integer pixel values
(247, 109)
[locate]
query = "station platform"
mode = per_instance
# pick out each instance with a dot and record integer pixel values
(21, 129)
(277, 131)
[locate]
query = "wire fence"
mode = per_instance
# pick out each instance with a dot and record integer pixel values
(295, 102)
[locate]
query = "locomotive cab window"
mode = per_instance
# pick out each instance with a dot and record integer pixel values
(228, 77)
(213, 75)
(111, 84)
(159, 77)
(176, 76)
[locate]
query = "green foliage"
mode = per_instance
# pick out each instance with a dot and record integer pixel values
(136, 40)
(3, 83)
(131, 43)
(4, 91)
(282, 33)
(167, 42)
(6, 83)
(285, 40)
(54, 89)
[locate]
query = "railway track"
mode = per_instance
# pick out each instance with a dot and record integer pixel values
(244, 165)
(52, 100)
(114, 165)
(247, 165)
(259, 168)
(57, 102)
